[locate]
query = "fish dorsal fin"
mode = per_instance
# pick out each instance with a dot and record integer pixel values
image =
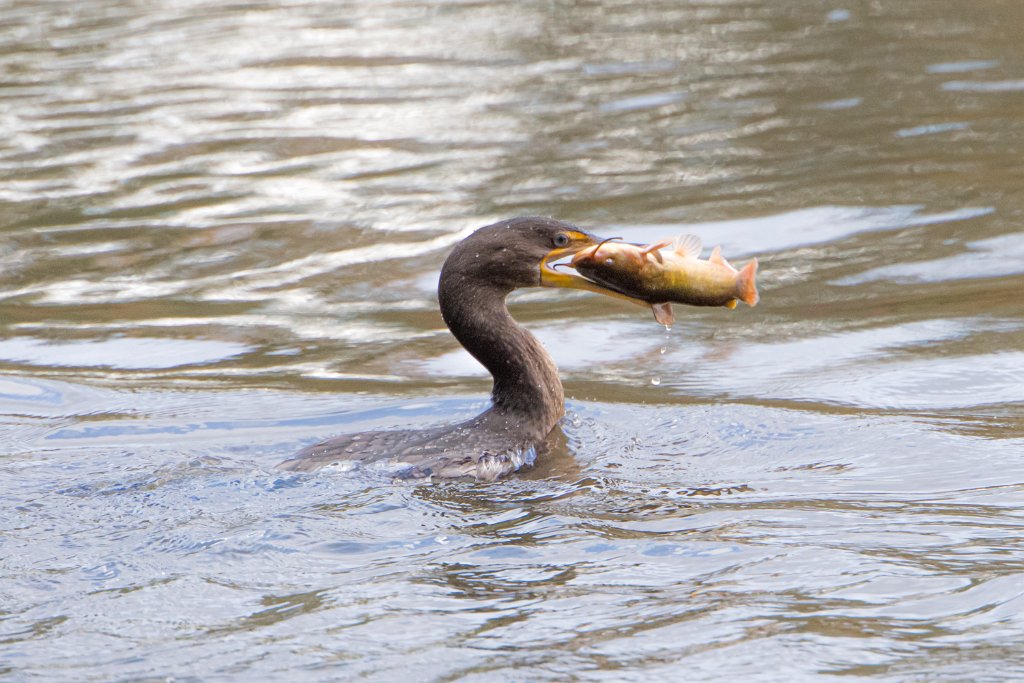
(716, 257)
(688, 246)
(663, 314)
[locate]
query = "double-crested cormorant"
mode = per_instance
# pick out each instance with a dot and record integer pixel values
(527, 399)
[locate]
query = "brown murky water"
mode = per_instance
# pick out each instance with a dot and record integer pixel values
(221, 228)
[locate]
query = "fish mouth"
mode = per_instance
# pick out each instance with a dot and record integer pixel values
(551, 276)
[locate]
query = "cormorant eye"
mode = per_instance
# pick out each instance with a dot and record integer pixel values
(561, 239)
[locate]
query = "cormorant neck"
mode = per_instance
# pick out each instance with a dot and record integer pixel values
(526, 383)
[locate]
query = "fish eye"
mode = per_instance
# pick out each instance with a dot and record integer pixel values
(561, 240)
(609, 262)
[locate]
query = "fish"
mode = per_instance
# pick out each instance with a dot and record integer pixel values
(661, 278)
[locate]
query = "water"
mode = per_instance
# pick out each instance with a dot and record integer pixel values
(221, 228)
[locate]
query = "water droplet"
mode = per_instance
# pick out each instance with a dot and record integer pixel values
(655, 381)
(662, 350)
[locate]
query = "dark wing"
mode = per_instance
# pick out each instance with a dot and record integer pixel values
(452, 452)
(364, 447)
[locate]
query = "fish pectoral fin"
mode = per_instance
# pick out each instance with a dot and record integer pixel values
(663, 313)
(688, 246)
(653, 250)
(716, 257)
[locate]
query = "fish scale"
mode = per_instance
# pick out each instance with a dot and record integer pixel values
(661, 277)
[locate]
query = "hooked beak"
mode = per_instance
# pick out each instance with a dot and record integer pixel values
(550, 276)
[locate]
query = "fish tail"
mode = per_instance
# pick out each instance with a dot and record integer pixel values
(746, 287)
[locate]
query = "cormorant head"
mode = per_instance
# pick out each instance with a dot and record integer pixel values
(521, 252)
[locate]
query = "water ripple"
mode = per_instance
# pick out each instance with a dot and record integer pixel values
(222, 227)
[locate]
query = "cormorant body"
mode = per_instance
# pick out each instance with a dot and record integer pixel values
(526, 400)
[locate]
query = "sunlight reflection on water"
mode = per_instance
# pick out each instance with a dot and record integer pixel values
(222, 228)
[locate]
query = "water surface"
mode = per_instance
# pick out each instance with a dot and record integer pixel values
(221, 230)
